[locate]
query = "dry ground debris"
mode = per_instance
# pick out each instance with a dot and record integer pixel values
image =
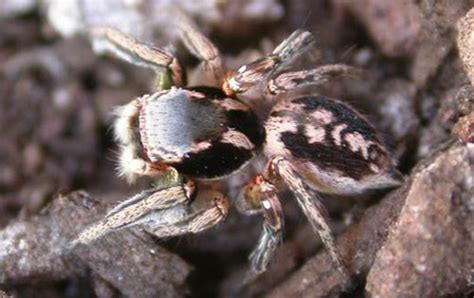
(37, 249)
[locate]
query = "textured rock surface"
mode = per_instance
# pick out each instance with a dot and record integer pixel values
(38, 249)
(429, 250)
(464, 128)
(436, 36)
(465, 42)
(394, 25)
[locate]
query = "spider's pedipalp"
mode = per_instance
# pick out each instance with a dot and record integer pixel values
(130, 164)
(127, 116)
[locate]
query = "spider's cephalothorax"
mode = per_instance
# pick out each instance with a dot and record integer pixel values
(312, 143)
(200, 131)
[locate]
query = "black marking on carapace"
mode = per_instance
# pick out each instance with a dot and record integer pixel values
(210, 92)
(247, 123)
(326, 155)
(342, 114)
(220, 159)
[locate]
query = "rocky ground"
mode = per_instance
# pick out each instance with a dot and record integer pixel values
(57, 155)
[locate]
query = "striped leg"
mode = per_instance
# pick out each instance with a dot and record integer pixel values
(165, 64)
(199, 45)
(262, 69)
(174, 192)
(291, 80)
(311, 206)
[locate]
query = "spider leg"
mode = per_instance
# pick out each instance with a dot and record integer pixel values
(262, 69)
(261, 197)
(291, 80)
(164, 63)
(310, 204)
(206, 210)
(199, 45)
(271, 235)
(177, 191)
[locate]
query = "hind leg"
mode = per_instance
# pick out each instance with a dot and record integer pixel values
(280, 173)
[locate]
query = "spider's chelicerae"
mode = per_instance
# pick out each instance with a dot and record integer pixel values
(179, 135)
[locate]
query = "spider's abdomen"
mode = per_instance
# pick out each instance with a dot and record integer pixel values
(330, 144)
(199, 131)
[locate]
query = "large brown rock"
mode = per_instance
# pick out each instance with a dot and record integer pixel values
(465, 42)
(429, 251)
(38, 249)
(393, 24)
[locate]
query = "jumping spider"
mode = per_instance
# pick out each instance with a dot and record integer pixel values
(312, 143)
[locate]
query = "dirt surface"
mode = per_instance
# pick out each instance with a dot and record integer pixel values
(56, 110)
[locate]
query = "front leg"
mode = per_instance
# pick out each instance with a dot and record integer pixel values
(176, 191)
